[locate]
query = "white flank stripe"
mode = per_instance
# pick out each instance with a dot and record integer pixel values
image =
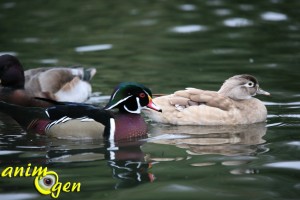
(65, 119)
(61, 120)
(87, 120)
(112, 129)
(112, 146)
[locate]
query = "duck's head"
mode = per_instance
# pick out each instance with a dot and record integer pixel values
(11, 72)
(241, 87)
(132, 98)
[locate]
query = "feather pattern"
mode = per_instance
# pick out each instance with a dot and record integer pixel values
(202, 107)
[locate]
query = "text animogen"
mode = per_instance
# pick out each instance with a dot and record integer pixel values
(46, 182)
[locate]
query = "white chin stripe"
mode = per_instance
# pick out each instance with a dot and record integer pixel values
(139, 107)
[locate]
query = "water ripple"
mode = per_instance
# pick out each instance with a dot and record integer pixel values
(49, 61)
(96, 47)
(237, 22)
(9, 5)
(188, 28)
(82, 157)
(268, 103)
(5, 152)
(222, 12)
(31, 40)
(285, 115)
(187, 7)
(294, 143)
(273, 16)
(18, 196)
(177, 187)
(287, 165)
(9, 52)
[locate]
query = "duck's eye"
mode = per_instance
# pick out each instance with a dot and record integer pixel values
(250, 84)
(142, 95)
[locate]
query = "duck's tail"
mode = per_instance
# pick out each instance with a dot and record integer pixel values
(25, 116)
(88, 74)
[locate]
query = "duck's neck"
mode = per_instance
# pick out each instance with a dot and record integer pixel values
(237, 95)
(129, 126)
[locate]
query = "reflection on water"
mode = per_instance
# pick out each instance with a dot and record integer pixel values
(224, 140)
(273, 16)
(237, 22)
(127, 163)
(96, 47)
(188, 28)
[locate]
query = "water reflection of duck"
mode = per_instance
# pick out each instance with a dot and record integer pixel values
(224, 140)
(126, 159)
(232, 104)
(129, 164)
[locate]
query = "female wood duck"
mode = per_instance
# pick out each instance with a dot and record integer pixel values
(232, 104)
(60, 84)
(84, 121)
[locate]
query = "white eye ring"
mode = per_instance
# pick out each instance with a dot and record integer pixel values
(249, 84)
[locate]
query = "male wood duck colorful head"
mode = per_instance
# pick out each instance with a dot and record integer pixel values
(59, 83)
(84, 121)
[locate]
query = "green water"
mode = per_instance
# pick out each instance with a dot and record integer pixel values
(166, 45)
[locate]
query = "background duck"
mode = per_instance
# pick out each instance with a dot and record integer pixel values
(232, 104)
(84, 121)
(60, 84)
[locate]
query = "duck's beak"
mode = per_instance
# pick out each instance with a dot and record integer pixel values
(152, 106)
(261, 91)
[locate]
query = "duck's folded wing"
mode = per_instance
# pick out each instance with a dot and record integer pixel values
(192, 96)
(78, 111)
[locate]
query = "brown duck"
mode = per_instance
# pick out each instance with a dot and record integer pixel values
(233, 104)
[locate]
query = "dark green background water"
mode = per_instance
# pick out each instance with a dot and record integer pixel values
(166, 45)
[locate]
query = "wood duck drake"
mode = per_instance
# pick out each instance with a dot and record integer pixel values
(232, 104)
(60, 84)
(85, 121)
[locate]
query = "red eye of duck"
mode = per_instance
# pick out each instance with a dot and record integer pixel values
(142, 95)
